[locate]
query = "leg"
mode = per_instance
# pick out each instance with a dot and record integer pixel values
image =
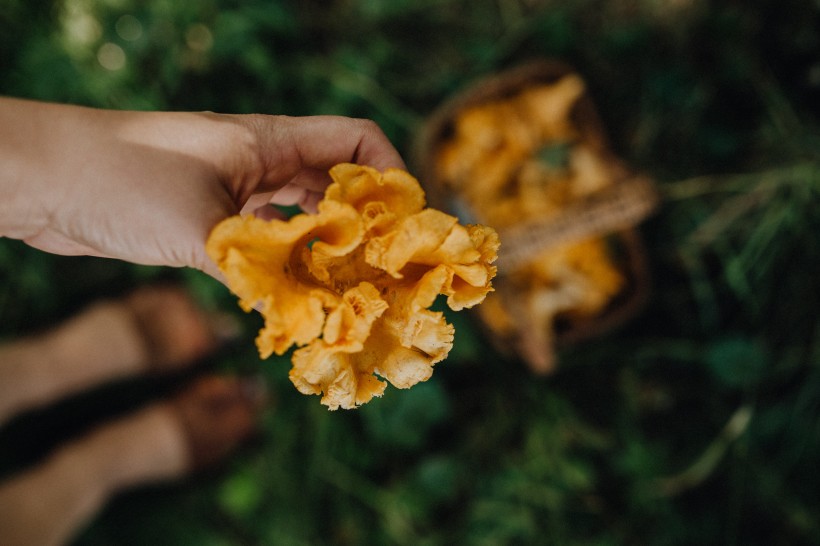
(153, 328)
(49, 503)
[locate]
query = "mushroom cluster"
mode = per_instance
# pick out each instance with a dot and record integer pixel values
(352, 285)
(523, 158)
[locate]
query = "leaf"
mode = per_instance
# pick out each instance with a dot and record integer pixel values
(737, 362)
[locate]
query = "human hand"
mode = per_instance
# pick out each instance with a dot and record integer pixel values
(147, 187)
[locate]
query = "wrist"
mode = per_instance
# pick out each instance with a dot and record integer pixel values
(40, 148)
(19, 213)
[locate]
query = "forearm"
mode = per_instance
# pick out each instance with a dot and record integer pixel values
(77, 180)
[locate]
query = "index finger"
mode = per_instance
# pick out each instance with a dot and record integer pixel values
(292, 144)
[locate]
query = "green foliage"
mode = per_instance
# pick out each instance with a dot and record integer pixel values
(695, 424)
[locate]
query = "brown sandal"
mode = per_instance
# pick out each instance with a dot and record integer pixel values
(217, 414)
(175, 331)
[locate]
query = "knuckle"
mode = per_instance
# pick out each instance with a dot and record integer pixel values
(368, 126)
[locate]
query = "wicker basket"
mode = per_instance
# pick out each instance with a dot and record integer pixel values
(611, 213)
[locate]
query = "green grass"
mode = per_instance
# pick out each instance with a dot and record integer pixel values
(696, 423)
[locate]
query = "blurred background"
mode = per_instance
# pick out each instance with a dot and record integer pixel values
(698, 422)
